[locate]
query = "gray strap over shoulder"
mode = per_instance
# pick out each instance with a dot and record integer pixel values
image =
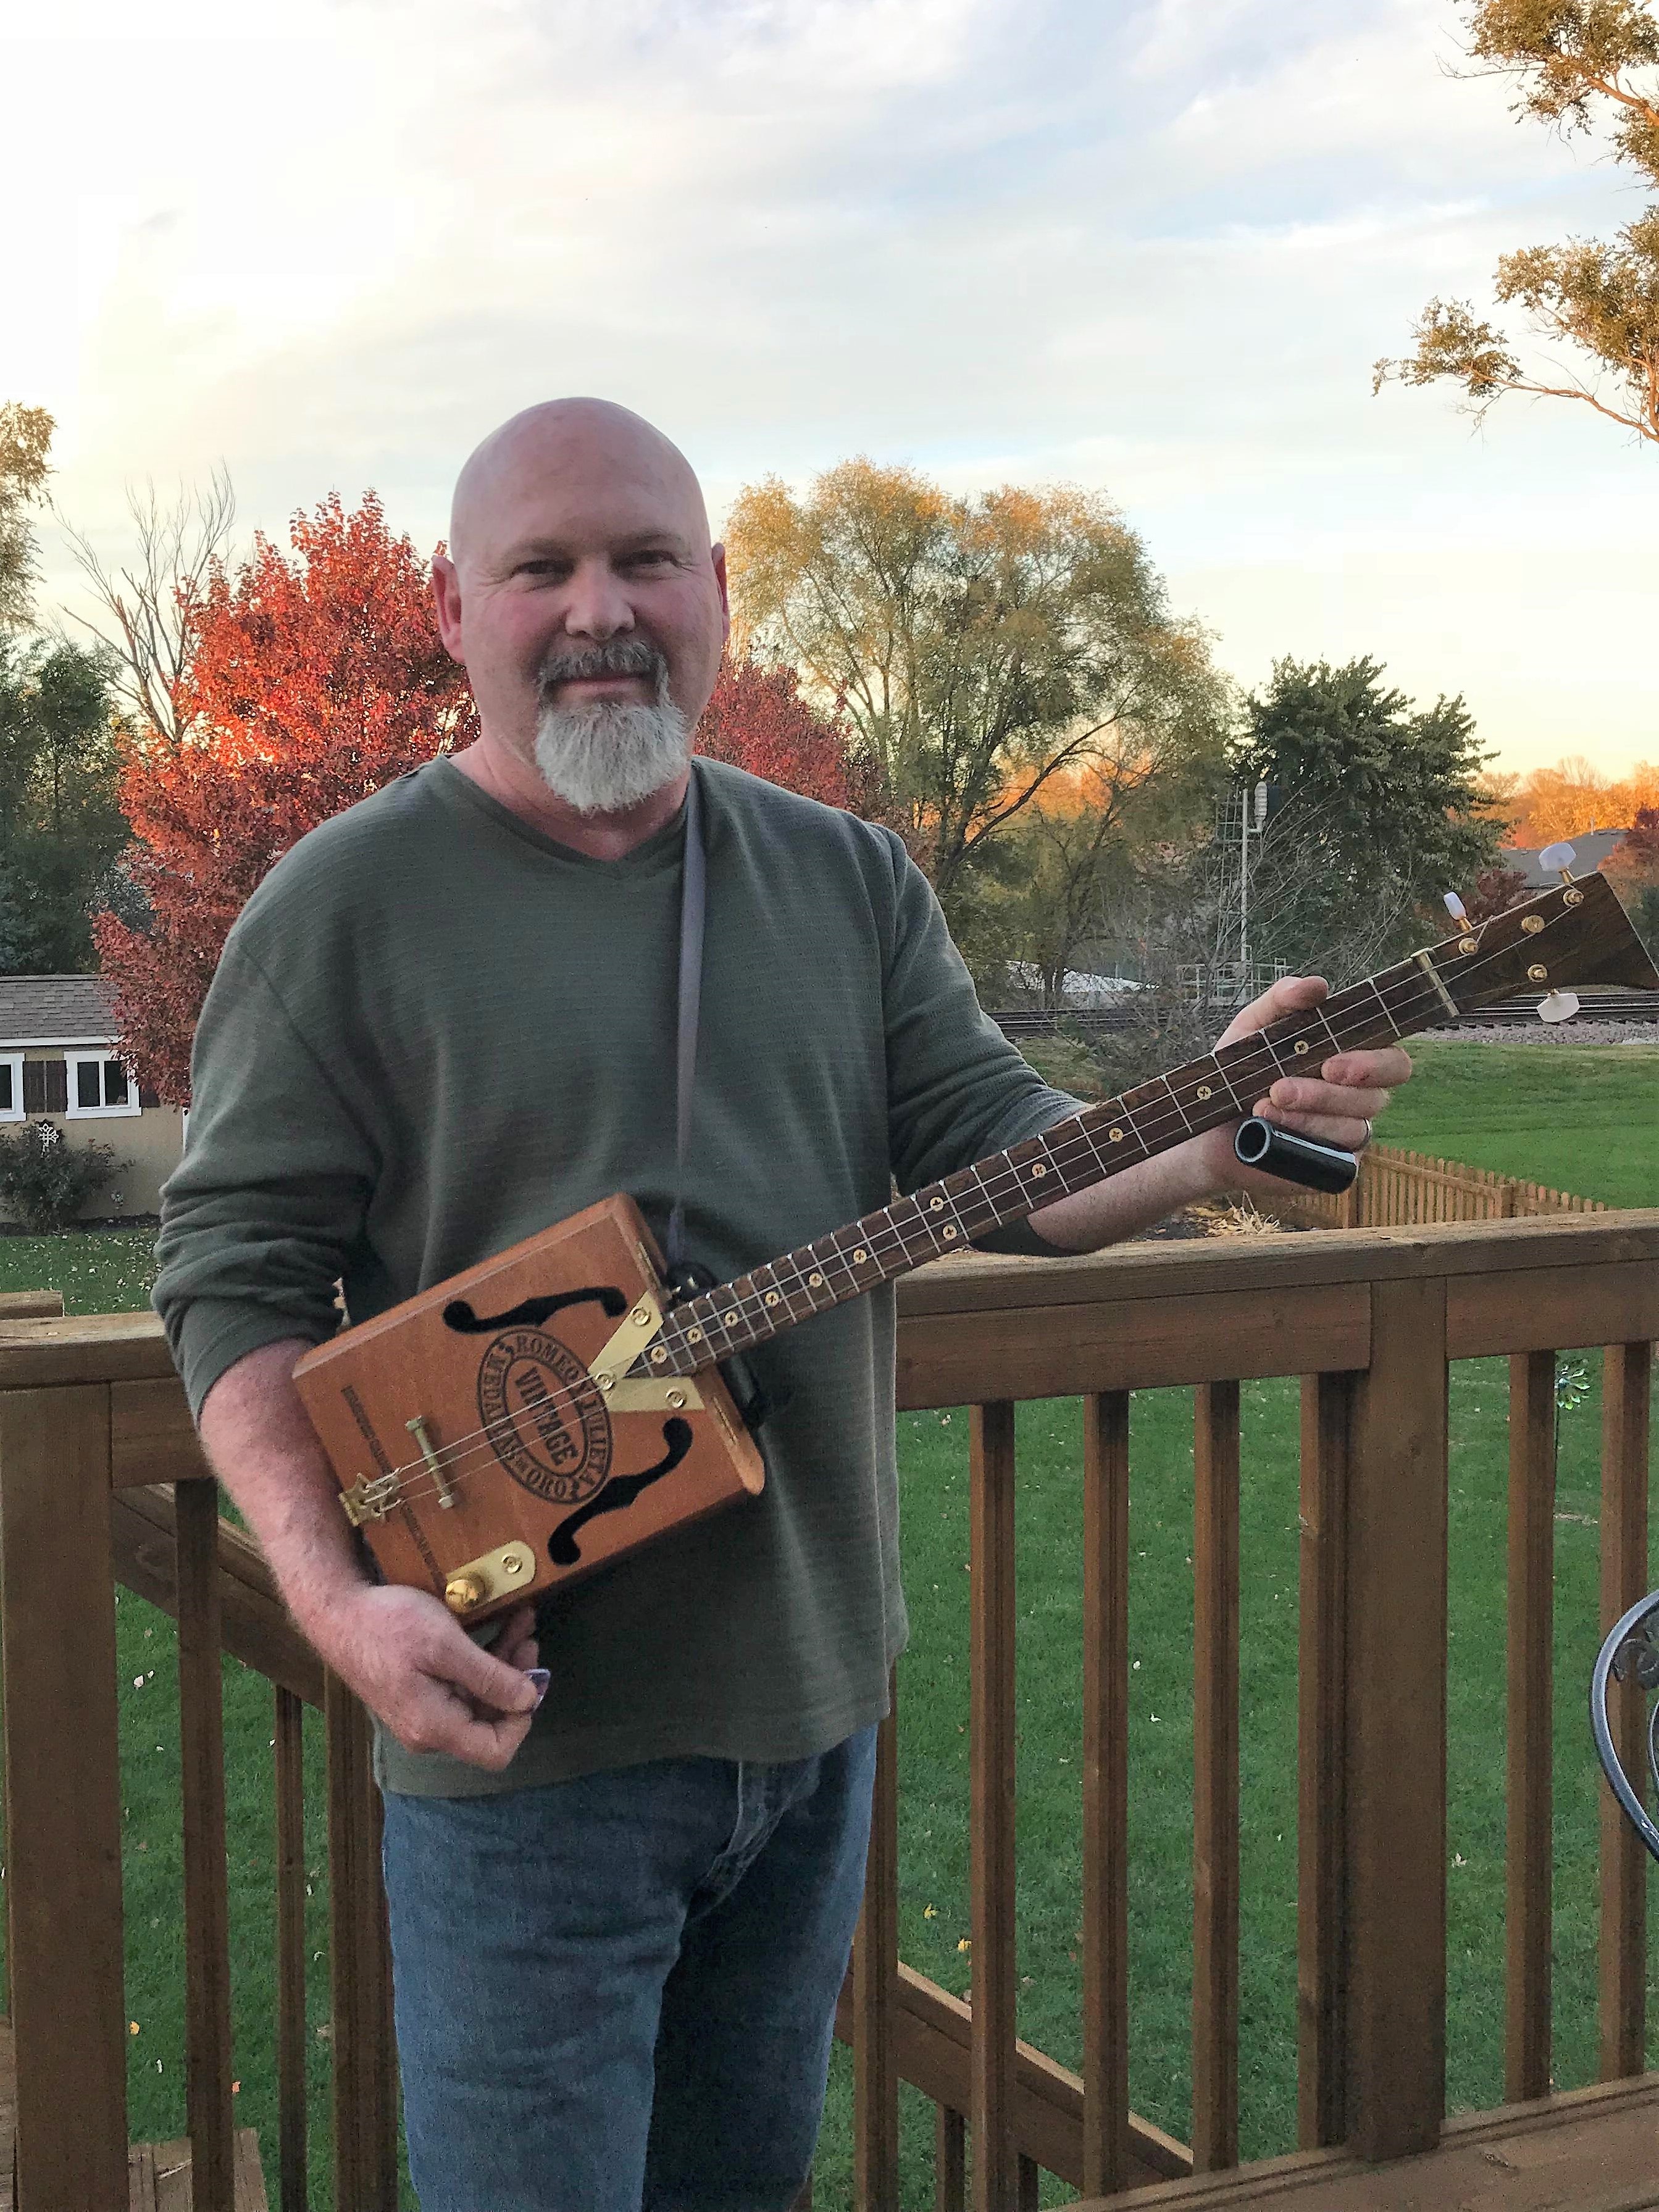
(693, 899)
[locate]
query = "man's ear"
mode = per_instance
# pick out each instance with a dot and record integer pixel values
(447, 602)
(717, 558)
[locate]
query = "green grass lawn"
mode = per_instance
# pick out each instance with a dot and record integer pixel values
(98, 1271)
(1581, 1118)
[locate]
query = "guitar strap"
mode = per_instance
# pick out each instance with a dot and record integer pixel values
(694, 876)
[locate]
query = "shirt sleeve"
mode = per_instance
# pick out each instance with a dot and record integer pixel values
(957, 1089)
(271, 1195)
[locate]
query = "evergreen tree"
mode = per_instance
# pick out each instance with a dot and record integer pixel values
(1381, 810)
(61, 825)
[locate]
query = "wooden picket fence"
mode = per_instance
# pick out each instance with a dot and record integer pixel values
(1400, 1190)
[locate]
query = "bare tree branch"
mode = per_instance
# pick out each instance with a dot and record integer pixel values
(150, 609)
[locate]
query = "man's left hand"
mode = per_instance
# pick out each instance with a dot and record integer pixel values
(1335, 1105)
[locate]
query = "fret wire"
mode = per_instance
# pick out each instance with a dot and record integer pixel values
(1377, 993)
(1175, 1098)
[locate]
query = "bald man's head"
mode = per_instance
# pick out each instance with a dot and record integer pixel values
(580, 578)
(572, 435)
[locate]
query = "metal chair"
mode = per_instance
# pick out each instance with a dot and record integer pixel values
(1629, 1645)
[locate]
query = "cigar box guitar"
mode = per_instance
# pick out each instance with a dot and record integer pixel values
(538, 1416)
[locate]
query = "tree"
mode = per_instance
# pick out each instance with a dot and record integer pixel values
(24, 440)
(1633, 867)
(758, 720)
(1075, 867)
(61, 826)
(977, 648)
(1581, 65)
(149, 611)
(315, 677)
(1574, 796)
(1381, 811)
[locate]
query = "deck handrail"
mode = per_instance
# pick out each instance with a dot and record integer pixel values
(101, 1480)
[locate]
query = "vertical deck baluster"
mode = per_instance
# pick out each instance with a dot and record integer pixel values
(950, 2161)
(365, 2060)
(294, 2191)
(1529, 1853)
(1028, 2189)
(1321, 1763)
(1627, 1379)
(875, 1992)
(207, 1900)
(1215, 1777)
(62, 1887)
(991, 2064)
(1396, 1799)
(1105, 1793)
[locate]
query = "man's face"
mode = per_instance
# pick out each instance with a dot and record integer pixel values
(582, 535)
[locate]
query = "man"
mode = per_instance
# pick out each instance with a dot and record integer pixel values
(448, 1019)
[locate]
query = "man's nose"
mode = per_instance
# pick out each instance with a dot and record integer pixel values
(596, 604)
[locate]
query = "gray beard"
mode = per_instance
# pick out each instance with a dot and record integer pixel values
(603, 757)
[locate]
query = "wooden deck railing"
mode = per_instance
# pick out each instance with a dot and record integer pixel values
(100, 1480)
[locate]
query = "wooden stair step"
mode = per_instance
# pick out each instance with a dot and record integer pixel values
(158, 2176)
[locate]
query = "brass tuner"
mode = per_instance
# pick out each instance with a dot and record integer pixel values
(1558, 860)
(1456, 910)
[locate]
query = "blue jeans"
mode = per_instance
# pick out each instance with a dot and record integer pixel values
(619, 1991)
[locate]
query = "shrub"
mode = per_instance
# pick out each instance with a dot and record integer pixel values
(43, 1181)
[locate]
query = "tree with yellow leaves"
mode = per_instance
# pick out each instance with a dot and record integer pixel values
(1581, 65)
(976, 648)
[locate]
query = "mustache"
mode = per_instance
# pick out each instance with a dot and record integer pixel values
(621, 656)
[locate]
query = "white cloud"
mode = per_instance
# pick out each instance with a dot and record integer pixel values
(1154, 247)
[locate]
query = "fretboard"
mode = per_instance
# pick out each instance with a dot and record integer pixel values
(1068, 1156)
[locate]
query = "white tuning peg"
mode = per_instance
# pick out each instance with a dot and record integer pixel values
(1558, 860)
(1557, 1005)
(1456, 910)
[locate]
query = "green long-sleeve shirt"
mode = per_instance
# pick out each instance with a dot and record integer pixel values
(435, 1032)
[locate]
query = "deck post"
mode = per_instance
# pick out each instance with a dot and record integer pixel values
(1395, 1796)
(62, 1800)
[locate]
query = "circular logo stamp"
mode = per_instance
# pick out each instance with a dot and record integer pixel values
(544, 1417)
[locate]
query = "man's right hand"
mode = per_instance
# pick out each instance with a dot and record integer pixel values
(414, 1666)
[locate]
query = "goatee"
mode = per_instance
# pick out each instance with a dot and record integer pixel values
(602, 755)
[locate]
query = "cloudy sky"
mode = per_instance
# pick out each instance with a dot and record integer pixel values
(1152, 247)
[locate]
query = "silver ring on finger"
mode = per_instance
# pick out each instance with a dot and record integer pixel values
(1366, 1139)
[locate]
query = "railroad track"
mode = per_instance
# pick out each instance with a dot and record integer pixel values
(1515, 1013)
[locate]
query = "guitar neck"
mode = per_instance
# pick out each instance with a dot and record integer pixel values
(1069, 1156)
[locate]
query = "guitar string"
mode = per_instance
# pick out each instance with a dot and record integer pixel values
(1073, 1148)
(1076, 1148)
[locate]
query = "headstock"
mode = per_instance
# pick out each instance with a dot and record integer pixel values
(1576, 932)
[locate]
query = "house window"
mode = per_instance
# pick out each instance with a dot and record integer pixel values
(11, 1086)
(99, 1086)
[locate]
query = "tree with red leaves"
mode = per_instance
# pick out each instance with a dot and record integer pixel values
(758, 720)
(316, 676)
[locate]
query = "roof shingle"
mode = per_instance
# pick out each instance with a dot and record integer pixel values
(54, 1009)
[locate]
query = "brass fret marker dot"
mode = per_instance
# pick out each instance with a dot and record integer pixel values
(1572, 898)
(694, 1336)
(1301, 1044)
(936, 1204)
(1532, 923)
(1538, 973)
(859, 1257)
(1039, 1170)
(816, 1281)
(1116, 1135)
(1203, 1090)
(950, 1232)
(773, 1298)
(659, 1354)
